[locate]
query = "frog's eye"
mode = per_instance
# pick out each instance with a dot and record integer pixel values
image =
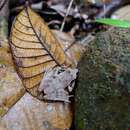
(60, 71)
(53, 77)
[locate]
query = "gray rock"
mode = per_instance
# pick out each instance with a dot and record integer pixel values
(103, 88)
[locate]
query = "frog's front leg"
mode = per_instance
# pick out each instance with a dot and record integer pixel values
(71, 86)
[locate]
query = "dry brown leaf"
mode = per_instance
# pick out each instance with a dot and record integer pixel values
(35, 49)
(75, 52)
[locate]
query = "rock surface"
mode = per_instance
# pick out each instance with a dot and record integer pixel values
(103, 88)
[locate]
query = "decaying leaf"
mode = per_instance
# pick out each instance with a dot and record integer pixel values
(58, 83)
(73, 49)
(3, 21)
(34, 49)
(11, 88)
(30, 113)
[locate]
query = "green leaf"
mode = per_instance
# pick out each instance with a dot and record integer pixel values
(114, 22)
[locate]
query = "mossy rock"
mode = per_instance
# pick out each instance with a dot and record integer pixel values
(103, 90)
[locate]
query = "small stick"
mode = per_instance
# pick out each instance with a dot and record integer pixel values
(68, 10)
(104, 8)
(3, 4)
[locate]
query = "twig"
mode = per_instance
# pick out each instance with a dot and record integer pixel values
(2, 4)
(104, 9)
(68, 10)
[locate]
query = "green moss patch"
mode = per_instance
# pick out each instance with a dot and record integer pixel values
(103, 89)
